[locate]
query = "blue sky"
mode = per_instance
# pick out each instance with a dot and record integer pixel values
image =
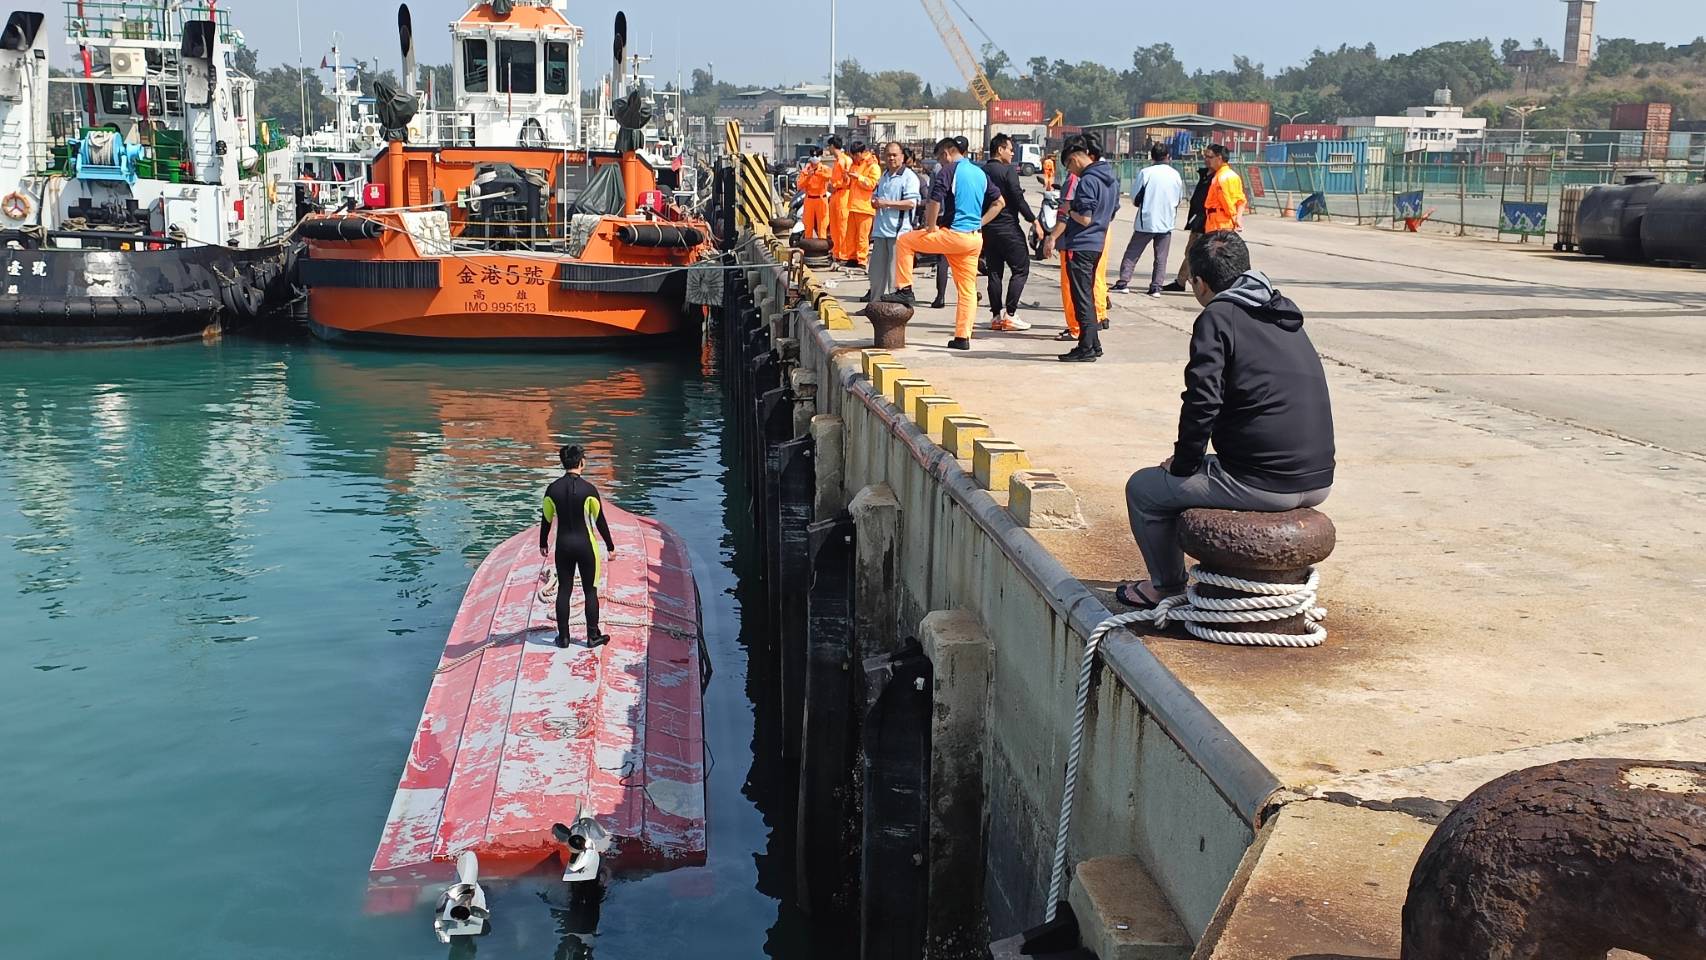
(765, 41)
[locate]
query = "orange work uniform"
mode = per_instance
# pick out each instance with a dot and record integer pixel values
(1048, 173)
(814, 212)
(1225, 200)
(840, 180)
(962, 250)
(1101, 286)
(862, 182)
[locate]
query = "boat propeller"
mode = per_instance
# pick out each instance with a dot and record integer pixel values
(461, 910)
(587, 842)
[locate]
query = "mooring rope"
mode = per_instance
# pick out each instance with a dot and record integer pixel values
(1271, 601)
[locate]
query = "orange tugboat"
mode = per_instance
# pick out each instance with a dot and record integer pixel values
(539, 243)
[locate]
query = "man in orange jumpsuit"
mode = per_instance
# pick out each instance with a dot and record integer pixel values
(1047, 176)
(962, 200)
(840, 181)
(862, 180)
(1224, 209)
(814, 188)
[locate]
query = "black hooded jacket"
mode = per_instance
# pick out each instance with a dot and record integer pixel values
(1255, 386)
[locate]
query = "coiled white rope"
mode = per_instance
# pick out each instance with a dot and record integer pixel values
(1271, 601)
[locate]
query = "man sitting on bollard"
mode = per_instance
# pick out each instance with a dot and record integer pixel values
(961, 201)
(1254, 385)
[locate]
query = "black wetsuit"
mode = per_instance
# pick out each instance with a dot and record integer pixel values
(575, 503)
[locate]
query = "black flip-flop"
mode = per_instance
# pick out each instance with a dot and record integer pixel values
(1065, 336)
(1140, 602)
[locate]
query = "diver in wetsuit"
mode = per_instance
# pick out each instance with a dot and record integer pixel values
(575, 503)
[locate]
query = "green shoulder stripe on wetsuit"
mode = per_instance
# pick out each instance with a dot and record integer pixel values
(591, 509)
(550, 508)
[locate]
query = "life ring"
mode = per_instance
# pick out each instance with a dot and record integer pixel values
(16, 206)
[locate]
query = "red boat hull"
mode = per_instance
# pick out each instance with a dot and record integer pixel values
(518, 734)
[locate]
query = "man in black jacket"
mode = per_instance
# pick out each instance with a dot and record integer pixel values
(1004, 244)
(1194, 221)
(1254, 385)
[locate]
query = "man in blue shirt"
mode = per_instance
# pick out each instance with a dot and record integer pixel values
(1084, 239)
(896, 195)
(962, 200)
(1157, 196)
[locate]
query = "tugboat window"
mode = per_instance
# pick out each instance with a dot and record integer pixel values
(474, 66)
(518, 66)
(120, 101)
(556, 67)
(115, 100)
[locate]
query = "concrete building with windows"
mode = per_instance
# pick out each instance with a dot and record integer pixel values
(1438, 128)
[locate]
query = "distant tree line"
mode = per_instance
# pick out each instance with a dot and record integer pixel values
(1347, 81)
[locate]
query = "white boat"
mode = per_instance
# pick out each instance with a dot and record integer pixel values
(159, 208)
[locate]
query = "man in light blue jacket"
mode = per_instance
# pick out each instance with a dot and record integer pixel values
(1157, 195)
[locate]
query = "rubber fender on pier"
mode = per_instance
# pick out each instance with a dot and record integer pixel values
(660, 235)
(339, 228)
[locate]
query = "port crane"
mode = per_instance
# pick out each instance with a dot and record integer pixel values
(976, 80)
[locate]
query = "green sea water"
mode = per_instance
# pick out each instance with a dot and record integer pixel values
(226, 575)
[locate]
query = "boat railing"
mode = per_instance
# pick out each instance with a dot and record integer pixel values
(460, 128)
(139, 20)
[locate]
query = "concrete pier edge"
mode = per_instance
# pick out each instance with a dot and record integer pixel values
(1241, 779)
(1167, 781)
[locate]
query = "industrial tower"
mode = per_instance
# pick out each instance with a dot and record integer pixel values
(1578, 32)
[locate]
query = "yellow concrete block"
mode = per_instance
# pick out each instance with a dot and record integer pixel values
(928, 411)
(993, 462)
(958, 432)
(885, 373)
(869, 357)
(908, 389)
(834, 315)
(1039, 499)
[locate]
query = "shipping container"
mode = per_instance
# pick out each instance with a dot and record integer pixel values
(1308, 166)
(1158, 108)
(1257, 114)
(1016, 111)
(1031, 132)
(1641, 116)
(1311, 131)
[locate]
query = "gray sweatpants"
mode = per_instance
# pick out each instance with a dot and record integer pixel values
(1154, 498)
(1134, 252)
(881, 266)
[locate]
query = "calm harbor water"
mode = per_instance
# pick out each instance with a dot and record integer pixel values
(226, 575)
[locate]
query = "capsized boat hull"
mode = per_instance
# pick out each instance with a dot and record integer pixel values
(517, 734)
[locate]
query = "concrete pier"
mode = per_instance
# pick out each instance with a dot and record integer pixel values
(1522, 460)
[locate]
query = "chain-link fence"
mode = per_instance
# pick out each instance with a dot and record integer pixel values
(1515, 199)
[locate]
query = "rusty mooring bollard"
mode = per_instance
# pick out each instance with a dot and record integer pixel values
(889, 321)
(782, 226)
(1566, 862)
(1255, 581)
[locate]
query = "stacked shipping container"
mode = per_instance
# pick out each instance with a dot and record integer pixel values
(1653, 122)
